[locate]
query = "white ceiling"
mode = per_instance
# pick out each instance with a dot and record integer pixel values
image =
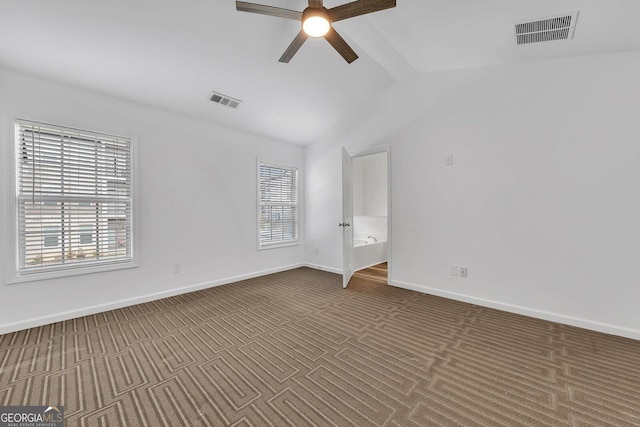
(172, 53)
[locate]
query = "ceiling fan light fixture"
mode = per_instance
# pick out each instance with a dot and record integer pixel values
(316, 22)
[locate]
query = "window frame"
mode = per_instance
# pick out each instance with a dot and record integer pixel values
(12, 246)
(280, 244)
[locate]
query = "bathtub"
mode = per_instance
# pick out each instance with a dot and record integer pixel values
(368, 252)
(360, 241)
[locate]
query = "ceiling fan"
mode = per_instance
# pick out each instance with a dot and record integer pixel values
(316, 21)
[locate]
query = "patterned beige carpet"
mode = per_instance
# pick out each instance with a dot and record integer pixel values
(294, 348)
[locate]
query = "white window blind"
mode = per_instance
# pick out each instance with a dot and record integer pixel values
(74, 198)
(277, 205)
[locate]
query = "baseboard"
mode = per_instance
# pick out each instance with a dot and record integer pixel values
(323, 268)
(539, 314)
(87, 311)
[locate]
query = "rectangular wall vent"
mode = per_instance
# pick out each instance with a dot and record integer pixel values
(225, 100)
(543, 30)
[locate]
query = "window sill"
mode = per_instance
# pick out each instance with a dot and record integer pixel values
(278, 245)
(56, 274)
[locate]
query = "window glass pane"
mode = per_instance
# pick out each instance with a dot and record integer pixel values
(51, 237)
(86, 235)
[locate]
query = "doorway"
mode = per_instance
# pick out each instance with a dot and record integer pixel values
(366, 215)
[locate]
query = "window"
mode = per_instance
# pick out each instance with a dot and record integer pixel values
(51, 238)
(86, 235)
(74, 200)
(277, 205)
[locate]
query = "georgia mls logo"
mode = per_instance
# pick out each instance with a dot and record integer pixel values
(31, 416)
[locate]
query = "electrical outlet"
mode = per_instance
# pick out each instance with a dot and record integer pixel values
(177, 267)
(454, 270)
(449, 160)
(317, 251)
(463, 272)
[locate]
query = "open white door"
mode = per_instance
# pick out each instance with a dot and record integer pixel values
(347, 219)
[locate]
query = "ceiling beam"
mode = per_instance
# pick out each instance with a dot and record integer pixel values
(367, 36)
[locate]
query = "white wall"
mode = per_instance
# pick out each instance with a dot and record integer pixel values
(365, 226)
(197, 202)
(357, 182)
(541, 204)
(370, 185)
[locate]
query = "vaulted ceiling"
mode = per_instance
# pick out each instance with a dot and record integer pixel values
(172, 54)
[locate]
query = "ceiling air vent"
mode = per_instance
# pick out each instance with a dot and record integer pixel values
(228, 101)
(545, 30)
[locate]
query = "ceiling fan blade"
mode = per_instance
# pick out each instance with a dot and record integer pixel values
(357, 8)
(315, 3)
(341, 46)
(294, 46)
(268, 10)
